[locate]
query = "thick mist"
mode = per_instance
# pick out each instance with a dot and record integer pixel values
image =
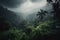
(28, 7)
(24, 8)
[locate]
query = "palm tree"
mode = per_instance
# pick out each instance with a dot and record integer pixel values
(41, 14)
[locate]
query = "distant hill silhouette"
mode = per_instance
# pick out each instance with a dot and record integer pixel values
(9, 15)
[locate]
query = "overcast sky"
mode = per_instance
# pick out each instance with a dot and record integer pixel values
(25, 7)
(29, 6)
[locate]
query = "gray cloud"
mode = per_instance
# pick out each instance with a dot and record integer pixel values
(36, 0)
(11, 3)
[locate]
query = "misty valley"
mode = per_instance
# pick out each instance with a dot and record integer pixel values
(30, 20)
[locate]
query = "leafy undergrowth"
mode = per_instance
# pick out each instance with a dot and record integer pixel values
(41, 32)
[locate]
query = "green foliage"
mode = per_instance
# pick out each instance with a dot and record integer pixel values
(45, 27)
(30, 32)
(14, 34)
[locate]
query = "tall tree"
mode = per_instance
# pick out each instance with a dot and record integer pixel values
(56, 7)
(41, 14)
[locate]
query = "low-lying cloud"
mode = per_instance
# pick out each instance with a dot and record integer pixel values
(29, 7)
(25, 7)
